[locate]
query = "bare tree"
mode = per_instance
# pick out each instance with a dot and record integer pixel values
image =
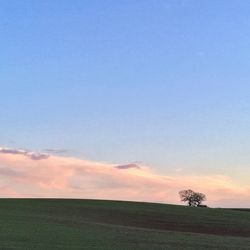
(193, 199)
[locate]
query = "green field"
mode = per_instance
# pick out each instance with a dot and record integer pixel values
(90, 224)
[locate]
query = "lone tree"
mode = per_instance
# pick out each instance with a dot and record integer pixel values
(192, 198)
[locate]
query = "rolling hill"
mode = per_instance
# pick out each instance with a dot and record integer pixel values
(46, 224)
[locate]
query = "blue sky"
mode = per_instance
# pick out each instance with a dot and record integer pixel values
(165, 83)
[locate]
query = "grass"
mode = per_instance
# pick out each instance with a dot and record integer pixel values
(46, 224)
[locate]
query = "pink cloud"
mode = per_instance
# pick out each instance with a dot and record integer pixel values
(64, 177)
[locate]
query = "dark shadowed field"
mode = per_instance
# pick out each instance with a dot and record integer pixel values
(91, 224)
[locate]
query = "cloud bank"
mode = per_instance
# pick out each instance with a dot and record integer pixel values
(29, 174)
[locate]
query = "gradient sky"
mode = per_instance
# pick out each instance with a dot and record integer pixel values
(163, 83)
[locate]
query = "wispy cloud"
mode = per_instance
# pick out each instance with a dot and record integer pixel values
(128, 166)
(56, 150)
(32, 155)
(24, 176)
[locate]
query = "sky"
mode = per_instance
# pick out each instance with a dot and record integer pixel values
(162, 86)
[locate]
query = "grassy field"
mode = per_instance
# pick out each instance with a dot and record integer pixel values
(46, 224)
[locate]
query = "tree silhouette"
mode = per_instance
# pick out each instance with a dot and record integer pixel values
(192, 198)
